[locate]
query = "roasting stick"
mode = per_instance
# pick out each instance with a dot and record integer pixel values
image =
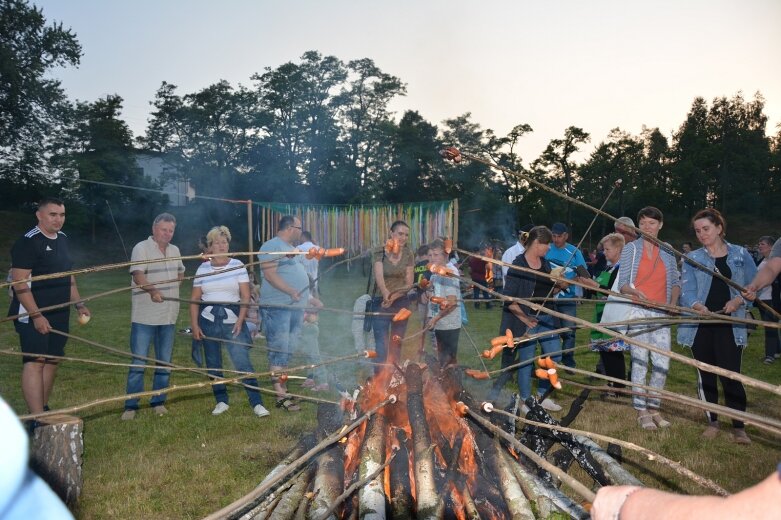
(750, 381)
(241, 504)
(576, 485)
(357, 485)
(109, 267)
(455, 155)
(650, 455)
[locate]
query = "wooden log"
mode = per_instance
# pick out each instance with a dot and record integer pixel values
(547, 498)
(519, 506)
(425, 485)
(329, 477)
(616, 473)
(401, 502)
(288, 506)
(372, 501)
(56, 455)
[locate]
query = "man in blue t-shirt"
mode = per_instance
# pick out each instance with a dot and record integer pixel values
(567, 256)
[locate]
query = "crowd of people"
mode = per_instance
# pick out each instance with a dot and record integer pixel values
(645, 275)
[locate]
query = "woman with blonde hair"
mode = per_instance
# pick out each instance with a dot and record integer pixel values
(216, 322)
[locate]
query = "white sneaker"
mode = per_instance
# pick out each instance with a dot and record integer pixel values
(550, 405)
(260, 410)
(128, 415)
(220, 408)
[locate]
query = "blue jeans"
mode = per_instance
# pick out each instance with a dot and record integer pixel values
(479, 294)
(384, 327)
(283, 327)
(140, 337)
(545, 322)
(567, 338)
(238, 352)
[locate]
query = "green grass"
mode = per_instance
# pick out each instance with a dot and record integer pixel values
(188, 463)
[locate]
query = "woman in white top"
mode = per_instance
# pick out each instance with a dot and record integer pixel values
(222, 285)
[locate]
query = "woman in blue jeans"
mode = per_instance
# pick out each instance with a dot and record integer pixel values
(222, 285)
(520, 319)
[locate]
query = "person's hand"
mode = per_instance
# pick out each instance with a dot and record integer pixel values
(699, 308)
(637, 295)
(733, 305)
(607, 505)
(295, 296)
(750, 292)
(530, 322)
(197, 332)
(237, 328)
(41, 324)
(156, 296)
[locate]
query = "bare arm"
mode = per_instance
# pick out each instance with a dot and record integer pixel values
(194, 308)
(139, 278)
(244, 292)
(409, 276)
(25, 297)
(764, 277)
(270, 274)
(379, 280)
(75, 297)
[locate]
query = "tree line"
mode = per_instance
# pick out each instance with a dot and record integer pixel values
(319, 129)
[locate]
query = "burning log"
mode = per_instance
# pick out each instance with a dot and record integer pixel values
(425, 486)
(371, 497)
(402, 503)
(329, 478)
(541, 441)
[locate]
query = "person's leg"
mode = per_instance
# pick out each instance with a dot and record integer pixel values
(164, 348)
(140, 338)
(703, 350)
(476, 296)
(276, 325)
(729, 356)
(447, 346)
(212, 351)
(660, 364)
(398, 329)
(32, 384)
(509, 357)
(772, 345)
(239, 355)
(381, 329)
(639, 373)
(614, 366)
(49, 374)
(568, 337)
(525, 352)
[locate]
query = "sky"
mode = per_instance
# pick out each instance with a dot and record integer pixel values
(597, 64)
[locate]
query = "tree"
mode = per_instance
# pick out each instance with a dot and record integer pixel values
(103, 159)
(33, 108)
(557, 159)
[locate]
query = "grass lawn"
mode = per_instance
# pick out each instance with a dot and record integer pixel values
(188, 463)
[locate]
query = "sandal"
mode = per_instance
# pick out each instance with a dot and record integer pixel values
(645, 420)
(288, 404)
(660, 421)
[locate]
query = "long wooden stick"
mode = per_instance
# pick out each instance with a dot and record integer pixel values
(650, 455)
(241, 503)
(750, 381)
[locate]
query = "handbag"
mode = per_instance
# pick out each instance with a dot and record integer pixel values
(616, 309)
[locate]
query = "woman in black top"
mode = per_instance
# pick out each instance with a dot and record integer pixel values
(520, 319)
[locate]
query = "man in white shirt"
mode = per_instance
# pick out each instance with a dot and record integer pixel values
(517, 249)
(309, 264)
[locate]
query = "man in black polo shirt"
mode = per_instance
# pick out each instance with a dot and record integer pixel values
(42, 250)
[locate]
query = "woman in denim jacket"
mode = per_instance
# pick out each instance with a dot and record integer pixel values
(649, 274)
(718, 344)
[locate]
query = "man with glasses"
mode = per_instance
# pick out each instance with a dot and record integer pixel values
(283, 296)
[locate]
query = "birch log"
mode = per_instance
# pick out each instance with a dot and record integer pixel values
(56, 455)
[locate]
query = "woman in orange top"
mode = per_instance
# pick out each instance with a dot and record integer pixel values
(649, 274)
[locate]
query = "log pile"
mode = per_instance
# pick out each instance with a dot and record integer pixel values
(422, 457)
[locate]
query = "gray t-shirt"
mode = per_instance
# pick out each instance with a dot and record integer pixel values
(290, 269)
